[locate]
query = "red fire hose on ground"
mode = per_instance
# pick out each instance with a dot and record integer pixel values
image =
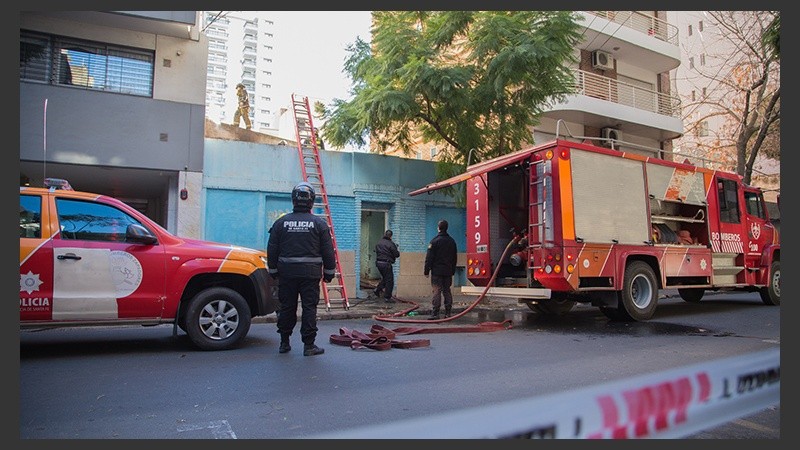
(382, 338)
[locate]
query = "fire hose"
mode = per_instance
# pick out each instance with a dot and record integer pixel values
(382, 338)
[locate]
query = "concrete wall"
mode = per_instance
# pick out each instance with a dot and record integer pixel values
(86, 127)
(88, 131)
(91, 128)
(180, 63)
(247, 186)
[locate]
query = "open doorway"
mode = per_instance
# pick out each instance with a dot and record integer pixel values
(373, 224)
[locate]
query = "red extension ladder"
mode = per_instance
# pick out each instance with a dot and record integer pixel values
(308, 150)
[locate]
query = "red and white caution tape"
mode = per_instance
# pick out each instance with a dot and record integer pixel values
(669, 404)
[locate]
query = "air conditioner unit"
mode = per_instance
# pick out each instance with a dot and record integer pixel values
(612, 133)
(602, 60)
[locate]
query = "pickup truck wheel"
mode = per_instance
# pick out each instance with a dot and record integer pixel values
(217, 318)
(692, 295)
(639, 294)
(771, 294)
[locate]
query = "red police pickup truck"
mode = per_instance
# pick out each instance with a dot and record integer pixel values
(87, 260)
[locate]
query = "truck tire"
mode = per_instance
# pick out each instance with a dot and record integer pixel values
(217, 318)
(639, 294)
(691, 295)
(771, 293)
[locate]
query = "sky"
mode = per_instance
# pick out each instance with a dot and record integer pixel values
(310, 52)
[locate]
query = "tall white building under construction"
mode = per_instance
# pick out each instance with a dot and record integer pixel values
(240, 50)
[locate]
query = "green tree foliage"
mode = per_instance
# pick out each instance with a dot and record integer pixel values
(772, 36)
(460, 80)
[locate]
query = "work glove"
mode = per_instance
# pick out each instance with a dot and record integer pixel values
(327, 278)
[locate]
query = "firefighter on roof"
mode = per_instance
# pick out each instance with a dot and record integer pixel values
(243, 110)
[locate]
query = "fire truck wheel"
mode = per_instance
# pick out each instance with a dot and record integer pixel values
(692, 295)
(217, 318)
(639, 294)
(771, 294)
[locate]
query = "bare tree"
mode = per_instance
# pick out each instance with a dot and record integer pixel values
(736, 85)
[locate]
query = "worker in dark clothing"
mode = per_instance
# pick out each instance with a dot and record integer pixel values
(299, 253)
(386, 252)
(440, 262)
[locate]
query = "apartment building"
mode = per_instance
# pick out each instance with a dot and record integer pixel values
(114, 102)
(240, 50)
(624, 96)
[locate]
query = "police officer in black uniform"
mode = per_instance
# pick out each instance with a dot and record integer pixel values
(299, 253)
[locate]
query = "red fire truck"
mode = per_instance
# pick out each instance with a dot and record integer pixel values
(567, 222)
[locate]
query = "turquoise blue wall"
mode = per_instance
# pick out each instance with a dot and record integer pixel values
(247, 187)
(236, 217)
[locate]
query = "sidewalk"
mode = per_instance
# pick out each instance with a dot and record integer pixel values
(372, 306)
(365, 308)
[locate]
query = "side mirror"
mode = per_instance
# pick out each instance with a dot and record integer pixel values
(140, 235)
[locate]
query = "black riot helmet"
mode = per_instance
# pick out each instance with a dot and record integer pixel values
(303, 196)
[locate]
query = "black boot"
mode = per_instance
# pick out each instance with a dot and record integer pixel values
(285, 347)
(447, 312)
(311, 350)
(434, 314)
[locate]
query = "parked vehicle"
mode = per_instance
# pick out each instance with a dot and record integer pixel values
(87, 259)
(593, 224)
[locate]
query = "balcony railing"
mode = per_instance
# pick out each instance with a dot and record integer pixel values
(609, 89)
(643, 23)
(217, 33)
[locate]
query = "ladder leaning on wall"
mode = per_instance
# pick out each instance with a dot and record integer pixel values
(308, 150)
